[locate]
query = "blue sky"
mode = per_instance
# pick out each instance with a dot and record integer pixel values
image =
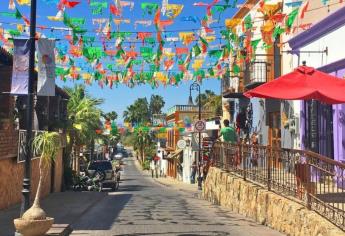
(120, 97)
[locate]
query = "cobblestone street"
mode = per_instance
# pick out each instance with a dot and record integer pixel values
(144, 207)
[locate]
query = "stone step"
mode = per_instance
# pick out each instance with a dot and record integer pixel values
(59, 230)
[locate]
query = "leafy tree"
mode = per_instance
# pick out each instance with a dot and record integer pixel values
(214, 104)
(156, 104)
(142, 140)
(84, 119)
(204, 97)
(110, 115)
(138, 112)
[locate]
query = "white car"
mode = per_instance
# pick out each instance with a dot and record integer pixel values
(118, 156)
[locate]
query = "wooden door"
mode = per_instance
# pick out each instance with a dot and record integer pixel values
(274, 136)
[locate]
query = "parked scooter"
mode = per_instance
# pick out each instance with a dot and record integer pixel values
(85, 183)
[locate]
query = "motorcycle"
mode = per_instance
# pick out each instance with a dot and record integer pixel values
(85, 183)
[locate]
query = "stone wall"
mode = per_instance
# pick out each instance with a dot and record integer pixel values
(11, 179)
(265, 207)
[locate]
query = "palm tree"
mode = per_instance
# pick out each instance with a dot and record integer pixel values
(138, 112)
(84, 119)
(156, 104)
(110, 115)
(214, 104)
(48, 145)
(204, 97)
(141, 141)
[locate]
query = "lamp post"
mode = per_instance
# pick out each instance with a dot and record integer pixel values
(196, 86)
(28, 150)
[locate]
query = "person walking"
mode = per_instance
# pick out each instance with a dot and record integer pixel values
(152, 167)
(193, 172)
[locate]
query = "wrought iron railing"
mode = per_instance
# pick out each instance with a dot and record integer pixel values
(22, 144)
(317, 181)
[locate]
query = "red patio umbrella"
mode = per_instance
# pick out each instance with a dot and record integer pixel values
(304, 83)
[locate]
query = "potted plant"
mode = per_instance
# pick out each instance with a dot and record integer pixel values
(34, 221)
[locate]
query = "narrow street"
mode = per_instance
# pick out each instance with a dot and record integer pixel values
(144, 207)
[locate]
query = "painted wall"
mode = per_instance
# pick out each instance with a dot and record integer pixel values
(333, 62)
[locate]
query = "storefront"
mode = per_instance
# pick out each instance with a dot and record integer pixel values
(322, 126)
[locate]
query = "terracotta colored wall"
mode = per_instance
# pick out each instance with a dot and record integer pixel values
(8, 141)
(11, 179)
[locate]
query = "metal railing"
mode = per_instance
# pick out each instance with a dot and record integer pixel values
(317, 181)
(185, 108)
(22, 144)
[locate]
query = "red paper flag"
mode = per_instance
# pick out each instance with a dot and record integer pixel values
(115, 10)
(304, 9)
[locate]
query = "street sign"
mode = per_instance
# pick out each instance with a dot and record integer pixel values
(181, 144)
(200, 126)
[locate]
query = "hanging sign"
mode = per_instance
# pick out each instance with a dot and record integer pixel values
(181, 144)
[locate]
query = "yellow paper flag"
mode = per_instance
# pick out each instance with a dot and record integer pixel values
(173, 10)
(24, 2)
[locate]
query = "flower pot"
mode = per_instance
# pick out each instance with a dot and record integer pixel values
(33, 227)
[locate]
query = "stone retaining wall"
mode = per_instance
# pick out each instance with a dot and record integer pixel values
(267, 208)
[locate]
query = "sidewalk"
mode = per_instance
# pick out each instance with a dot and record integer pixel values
(65, 207)
(171, 183)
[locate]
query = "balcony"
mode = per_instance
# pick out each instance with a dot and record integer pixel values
(259, 73)
(232, 87)
(182, 108)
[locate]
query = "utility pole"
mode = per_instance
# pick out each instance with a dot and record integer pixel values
(29, 110)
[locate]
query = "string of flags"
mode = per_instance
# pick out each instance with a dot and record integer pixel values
(109, 56)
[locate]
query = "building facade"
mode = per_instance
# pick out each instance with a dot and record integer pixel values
(322, 126)
(50, 114)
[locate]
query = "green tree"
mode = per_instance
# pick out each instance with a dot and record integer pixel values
(110, 115)
(204, 97)
(84, 119)
(214, 104)
(138, 112)
(156, 104)
(48, 145)
(142, 140)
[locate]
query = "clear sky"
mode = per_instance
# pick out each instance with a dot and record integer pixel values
(118, 98)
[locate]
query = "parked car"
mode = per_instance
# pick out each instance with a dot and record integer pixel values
(103, 170)
(118, 156)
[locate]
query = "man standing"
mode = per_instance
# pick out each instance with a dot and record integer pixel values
(228, 133)
(229, 136)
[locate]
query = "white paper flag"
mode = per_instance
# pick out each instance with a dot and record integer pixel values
(46, 67)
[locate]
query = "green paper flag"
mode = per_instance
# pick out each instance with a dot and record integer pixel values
(255, 44)
(196, 50)
(291, 18)
(248, 24)
(277, 32)
(149, 8)
(18, 14)
(217, 53)
(77, 21)
(14, 32)
(210, 71)
(236, 69)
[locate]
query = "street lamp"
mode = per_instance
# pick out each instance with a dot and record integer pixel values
(195, 86)
(28, 150)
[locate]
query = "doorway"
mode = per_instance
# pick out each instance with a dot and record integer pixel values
(274, 132)
(274, 136)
